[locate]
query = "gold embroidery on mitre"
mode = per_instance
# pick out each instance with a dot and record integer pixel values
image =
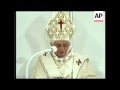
(60, 27)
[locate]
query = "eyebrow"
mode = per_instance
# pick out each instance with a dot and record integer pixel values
(62, 43)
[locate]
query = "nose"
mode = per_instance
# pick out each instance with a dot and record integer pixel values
(61, 48)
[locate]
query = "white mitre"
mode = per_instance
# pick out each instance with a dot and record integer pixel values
(60, 27)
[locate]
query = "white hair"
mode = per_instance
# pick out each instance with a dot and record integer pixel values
(52, 41)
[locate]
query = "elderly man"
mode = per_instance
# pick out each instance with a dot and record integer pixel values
(65, 63)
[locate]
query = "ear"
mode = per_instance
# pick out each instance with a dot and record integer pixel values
(51, 44)
(70, 47)
(69, 43)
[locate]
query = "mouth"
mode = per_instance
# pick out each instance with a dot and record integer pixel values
(61, 52)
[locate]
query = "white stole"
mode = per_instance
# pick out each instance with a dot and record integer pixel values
(51, 67)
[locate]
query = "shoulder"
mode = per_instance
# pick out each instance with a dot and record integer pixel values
(45, 55)
(81, 57)
(42, 56)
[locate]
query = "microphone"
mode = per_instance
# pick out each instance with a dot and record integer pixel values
(52, 49)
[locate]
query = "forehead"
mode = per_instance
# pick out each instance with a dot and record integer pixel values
(61, 42)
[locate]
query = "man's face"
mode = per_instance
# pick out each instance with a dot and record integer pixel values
(62, 47)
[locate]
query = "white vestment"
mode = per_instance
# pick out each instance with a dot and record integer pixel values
(73, 66)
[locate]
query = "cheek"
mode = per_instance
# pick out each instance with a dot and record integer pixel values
(66, 50)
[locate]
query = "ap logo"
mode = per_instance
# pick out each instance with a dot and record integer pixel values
(98, 16)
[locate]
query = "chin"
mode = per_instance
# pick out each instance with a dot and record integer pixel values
(61, 56)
